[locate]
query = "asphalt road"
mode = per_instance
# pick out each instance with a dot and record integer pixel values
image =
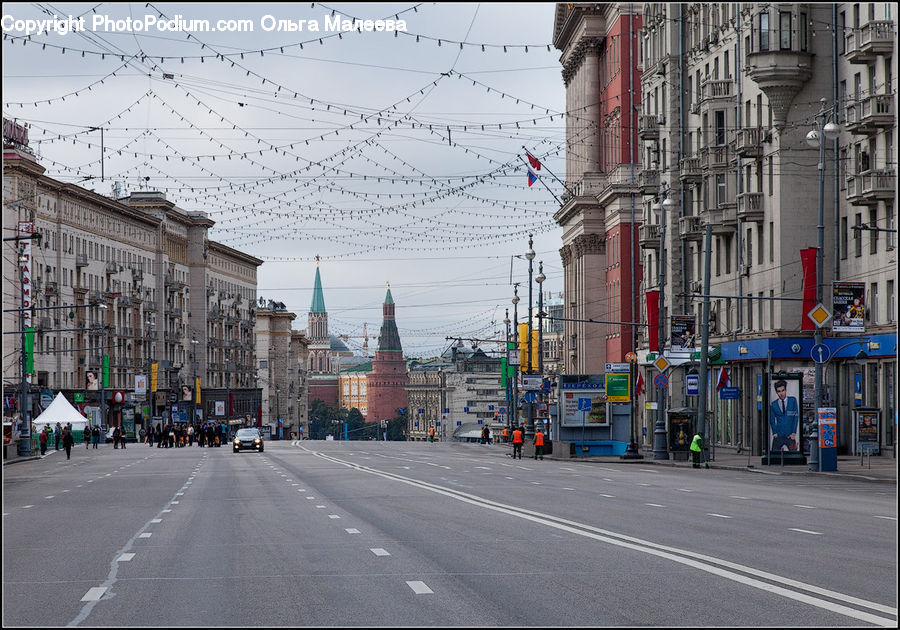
(413, 534)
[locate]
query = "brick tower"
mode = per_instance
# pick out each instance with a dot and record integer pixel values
(387, 381)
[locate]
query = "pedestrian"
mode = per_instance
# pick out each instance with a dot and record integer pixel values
(42, 438)
(190, 433)
(150, 434)
(697, 450)
(142, 434)
(171, 441)
(116, 437)
(68, 441)
(95, 435)
(539, 444)
(87, 436)
(57, 434)
(484, 435)
(517, 441)
(160, 435)
(505, 435)
(123, 436)
(431, 434)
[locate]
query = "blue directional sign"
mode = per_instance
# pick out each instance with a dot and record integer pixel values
(730, 393)
(584, 404)
(490, 407)
(820, 353)
(446, 410)
(530, 397)
(466, 409)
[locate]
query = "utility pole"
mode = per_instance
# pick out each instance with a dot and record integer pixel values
(704, 335)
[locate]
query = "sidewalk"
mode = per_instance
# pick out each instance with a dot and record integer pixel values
(880, 468)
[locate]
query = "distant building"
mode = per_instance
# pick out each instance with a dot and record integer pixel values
(325, 350)
(387, 382)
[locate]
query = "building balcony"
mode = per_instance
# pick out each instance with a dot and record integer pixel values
(125, 301)
(81, 260)
(870, 114)
(723, 220)
(648, 127)
(95, 297)
(748, 141)
(780, 74)
(716, 158)
(866, 189)
(43, 323)
(864, 44)
(715, 90)
(150, 305)
(51, 288)
(649, 236)
(137, 275)
(649, 180)
(690, 228)
(691, 169)
(112, 267)
(751, 206)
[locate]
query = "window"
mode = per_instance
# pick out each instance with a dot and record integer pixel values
(771, 241)
(772, 309)
(749, 301)
(873, 302)
(803, 32)
(784, 21)
(760, 306)
(721, 190)
(749, 258)
(771, 177)
(759, 244)
(720, 127)
(727, 255)
(842, 32)
(890, 301)
(764, 31)
(718, 256)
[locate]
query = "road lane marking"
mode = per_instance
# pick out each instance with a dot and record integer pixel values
(94, 594)
(806, 507)
(736, 497)
(156, 520)
(608, 496)
(145, 535)
(568, 488)
(643, 484)
(717, 515)
(125, 557)
(740, 573)
(310, 497)
(25, 507)
(50, 497)
(654, 505)
(805, 531)
(890, 518)
(684, 490)
(333, 516)
(174, 502)
(378, 551)
(351, 530)
(419, 588)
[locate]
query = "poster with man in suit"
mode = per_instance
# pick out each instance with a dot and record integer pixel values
(784, 413)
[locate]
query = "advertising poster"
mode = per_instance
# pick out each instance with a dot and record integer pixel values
(220, 407)
(808, 405)
(849, 307)
(784, 412)
(867, 431)
(91, 382)
(684, 332)
(140, 384)
(596, 417)
(827, 427)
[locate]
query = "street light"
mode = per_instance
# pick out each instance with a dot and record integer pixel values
(529, 427)
(194, 343)
(515, 400)
(509, 385)
(659, 433)
(150, 393)
(540, 349)
(816, 139)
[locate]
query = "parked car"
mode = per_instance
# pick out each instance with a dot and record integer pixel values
(246, 439)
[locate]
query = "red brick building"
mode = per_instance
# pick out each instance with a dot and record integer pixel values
(387, 381)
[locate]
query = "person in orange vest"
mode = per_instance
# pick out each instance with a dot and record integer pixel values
(505, 435)
(538, 444)
(431, 434)
(517, 441)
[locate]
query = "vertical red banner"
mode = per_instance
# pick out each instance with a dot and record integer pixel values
(808, 260)
(653, 320)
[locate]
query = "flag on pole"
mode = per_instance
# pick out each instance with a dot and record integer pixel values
(535, 163)
(532, 177)
(723, 379)
(639, 386)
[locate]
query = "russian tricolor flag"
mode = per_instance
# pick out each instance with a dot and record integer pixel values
(532, 177)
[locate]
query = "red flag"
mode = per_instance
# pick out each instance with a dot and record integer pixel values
(639, 387)
(535, 163)
(723, 379)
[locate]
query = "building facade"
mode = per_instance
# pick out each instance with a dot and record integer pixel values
(281, 362)
(730, 93)
(601, 211)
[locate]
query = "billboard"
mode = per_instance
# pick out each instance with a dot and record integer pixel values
(684, 331)
(575, 416)
(784, 412)
(848, 307)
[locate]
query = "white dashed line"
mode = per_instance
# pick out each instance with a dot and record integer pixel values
(890, 518)
(125, 557)
(684, 490)
(50, 497)
(736, 497)
(806, 507)
(145, 535)
(310, 497)
(612, 496)
(333, 516)
(25, 507)
(319, 507)
(654, 505)
(804, 531)
(174, 502)
(568, 488)
(94, 594)
(351, 530)
(379, 552)
(419, 588)
(156, 520)
(717, 515)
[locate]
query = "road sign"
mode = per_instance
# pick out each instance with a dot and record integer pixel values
(584, 404)
(617, 368)
(661, 363)
(617, 389)
(661, 379)
(630, 357)
(820, 315)
(530, 397)
(730, 393)
(693, 384)
(502, 409)
(820, 353)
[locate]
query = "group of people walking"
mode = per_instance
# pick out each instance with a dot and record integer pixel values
(179, 434)
(60, 435)
(517, 437)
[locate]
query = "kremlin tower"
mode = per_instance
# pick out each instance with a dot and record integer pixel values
(387, 381)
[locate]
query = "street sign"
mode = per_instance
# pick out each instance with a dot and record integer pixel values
(693, 384)
(661, 379)
(502, 409)
(617, 368)
(819, 315)
(661, 363)
(730, 393)
(631, 357)
(617, 387)
(820, 353)
(530, 397)
(584, 404)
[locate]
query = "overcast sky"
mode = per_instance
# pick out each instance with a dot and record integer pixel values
(427, 190)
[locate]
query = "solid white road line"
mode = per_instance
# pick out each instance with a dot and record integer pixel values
(654, 505)
(804, 531)
(806, 507)
(890, 518)
(717, 515)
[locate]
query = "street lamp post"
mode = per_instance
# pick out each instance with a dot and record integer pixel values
(194, 343)
(816, 139)
(150, 367)
(508, 384)
(659, 433)
(540, 349)
(515, 385)
(529, 427)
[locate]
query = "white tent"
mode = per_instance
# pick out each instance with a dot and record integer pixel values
(62, 411)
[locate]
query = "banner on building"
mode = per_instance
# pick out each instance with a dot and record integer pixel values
(849, 307)
(684, 332)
